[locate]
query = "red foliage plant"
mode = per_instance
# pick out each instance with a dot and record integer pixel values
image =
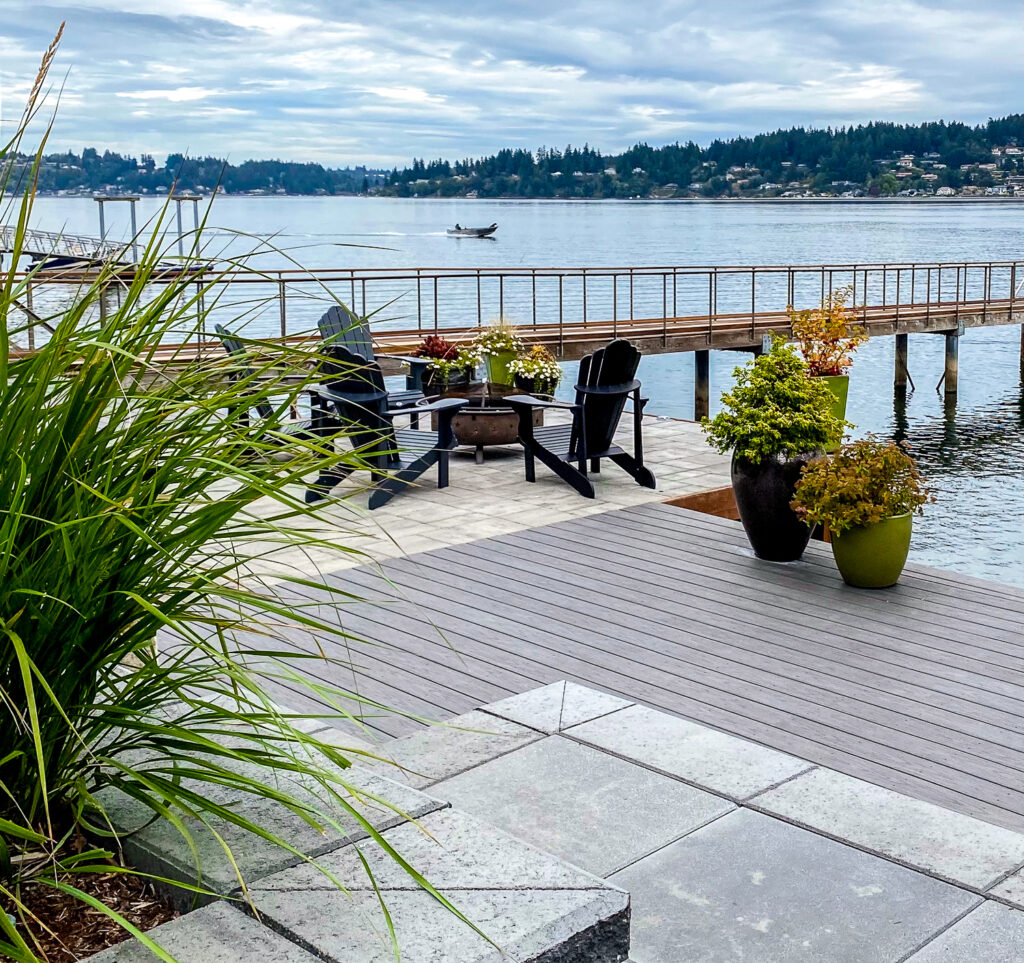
(434, 346)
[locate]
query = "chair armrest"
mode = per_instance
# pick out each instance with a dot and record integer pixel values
(442, 404)
(362, 397)
(528, 401)
(623, 389)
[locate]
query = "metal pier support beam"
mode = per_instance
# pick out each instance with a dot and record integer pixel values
(701, 384)
(1022, 352)
(902, 369)
(949, 383)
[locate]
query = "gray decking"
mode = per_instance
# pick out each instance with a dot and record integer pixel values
(919, 689)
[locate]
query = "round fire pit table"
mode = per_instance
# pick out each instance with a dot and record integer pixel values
(485, 421)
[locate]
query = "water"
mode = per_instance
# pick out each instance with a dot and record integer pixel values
(972, 453)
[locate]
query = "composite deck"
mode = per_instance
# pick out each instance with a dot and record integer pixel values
(919, 688)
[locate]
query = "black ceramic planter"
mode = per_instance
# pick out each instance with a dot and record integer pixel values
(763, 493)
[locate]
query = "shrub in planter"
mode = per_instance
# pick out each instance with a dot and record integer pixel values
(536, 373)
(867, 495)
(774, 422)
(827, 338)
(499, 345)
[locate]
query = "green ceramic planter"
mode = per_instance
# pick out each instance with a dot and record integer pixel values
(873, 556)
(839, 385)
(497, 367)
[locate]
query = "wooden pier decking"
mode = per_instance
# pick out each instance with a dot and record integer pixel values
(919, 688)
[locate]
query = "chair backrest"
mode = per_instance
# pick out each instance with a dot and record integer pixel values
(339, 327)
(241, 369)
(610, 367)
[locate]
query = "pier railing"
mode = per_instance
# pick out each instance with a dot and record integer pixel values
(54, 244)
(561, 305)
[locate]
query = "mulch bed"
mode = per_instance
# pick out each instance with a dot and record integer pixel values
(79, 930)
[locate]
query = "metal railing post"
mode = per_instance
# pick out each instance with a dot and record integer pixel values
(561, 316)
(615, 305)
(419, 301)
(282, 307)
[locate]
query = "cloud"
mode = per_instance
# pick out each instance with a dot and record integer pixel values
(307, 79)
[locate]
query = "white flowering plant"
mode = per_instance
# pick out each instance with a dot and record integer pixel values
(538, 368)
(465, 358)
(499, 337)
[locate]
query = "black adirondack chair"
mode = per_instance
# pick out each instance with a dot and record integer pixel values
(340, 328)
(606, 382)
(320, 424)
(395, 457)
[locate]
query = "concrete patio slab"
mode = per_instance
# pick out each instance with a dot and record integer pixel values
(750, 887)
(451, 849)
(552, 708)
(590, 808)
(710, 759)
(220, 933)
(1010, 889)
(445, 750)
(160, 849)
(531, 926)
(948, 844)
(989, 934)
(532, 904)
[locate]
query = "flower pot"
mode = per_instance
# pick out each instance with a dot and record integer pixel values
(873, 556)
(839, 385)
(437, 383)
(535, 386)
(497, 367)
(763, 492)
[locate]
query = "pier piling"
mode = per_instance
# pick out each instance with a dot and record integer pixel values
(949, 385)
(701, 384)
(902, 369)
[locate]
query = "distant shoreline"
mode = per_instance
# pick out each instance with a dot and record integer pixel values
(602, 200)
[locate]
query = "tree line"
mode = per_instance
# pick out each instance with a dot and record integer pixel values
(857, 155)
(109, 171)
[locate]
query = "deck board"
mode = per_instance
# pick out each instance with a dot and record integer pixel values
(919, 688)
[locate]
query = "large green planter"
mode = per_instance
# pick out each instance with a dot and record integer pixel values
(497, 367)
(839, 385)
(873, 556)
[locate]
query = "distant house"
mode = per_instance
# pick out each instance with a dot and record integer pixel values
(929, 177)
(945, 192)
(907, 160)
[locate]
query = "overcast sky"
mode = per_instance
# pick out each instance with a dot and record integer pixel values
(382, 81)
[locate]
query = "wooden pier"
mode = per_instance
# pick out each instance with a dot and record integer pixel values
(662, 309)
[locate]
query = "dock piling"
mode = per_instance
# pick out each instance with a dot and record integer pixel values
(902, 368)
(701, 384)
(949, 385)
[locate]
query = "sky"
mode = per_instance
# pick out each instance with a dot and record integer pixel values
(379, 82)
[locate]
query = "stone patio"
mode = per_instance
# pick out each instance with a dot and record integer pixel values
(494, 498)
(546, 809)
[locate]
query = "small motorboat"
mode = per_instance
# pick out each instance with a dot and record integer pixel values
(460, 231)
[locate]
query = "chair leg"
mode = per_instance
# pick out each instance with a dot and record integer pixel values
(531, 465)
(595, 465)
(635, 468)
(442, 469)
(564, 470)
